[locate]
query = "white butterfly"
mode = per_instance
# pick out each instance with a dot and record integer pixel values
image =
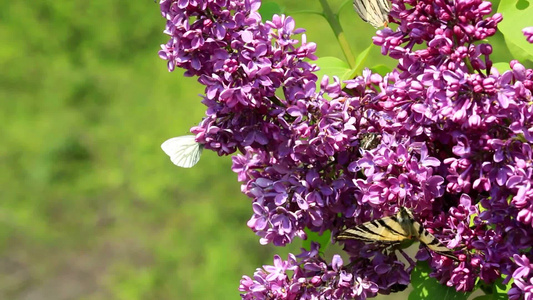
(375, 12)
(184, 151)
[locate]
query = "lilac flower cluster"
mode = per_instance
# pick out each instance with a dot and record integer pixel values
(450, 139)
(242, 62)
(311, 278)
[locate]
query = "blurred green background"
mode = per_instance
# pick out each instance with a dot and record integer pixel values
(91, 208)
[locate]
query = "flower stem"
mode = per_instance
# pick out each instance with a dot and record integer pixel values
(333, 21)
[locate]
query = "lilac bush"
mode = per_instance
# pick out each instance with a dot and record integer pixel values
(451, 140)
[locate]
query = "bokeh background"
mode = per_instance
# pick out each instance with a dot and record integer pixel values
(90, 207)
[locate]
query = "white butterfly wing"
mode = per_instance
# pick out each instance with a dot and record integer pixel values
(375, 12)
(184, 151)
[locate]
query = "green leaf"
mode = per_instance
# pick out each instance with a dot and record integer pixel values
(502, 67)
(359, 65)
(312, 236)
(381, 69)
(332, 66)
(267, 10)
(502, 288)
(425, 287)
(492, 297)
(359, 62)
(516, 16)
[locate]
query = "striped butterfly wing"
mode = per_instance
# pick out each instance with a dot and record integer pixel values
(432, 242)
(387, 230)
(396, 229)
(375, 12)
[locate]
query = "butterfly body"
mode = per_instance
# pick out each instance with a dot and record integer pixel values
(184, 151)
(395, 230)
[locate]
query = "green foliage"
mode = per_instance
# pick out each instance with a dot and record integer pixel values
(332, 66)
(501, 67)
(494, 291)
(381, 69)
(269, 9)
(500, 288)
(322, 239)
(492, 297)
(360, 62)
(516, 16)
(425, 287)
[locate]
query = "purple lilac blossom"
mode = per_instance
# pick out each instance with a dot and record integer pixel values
(309, 278)
(454, 142)
(528, 32)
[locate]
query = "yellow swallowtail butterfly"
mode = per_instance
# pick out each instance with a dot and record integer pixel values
(394, 230)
